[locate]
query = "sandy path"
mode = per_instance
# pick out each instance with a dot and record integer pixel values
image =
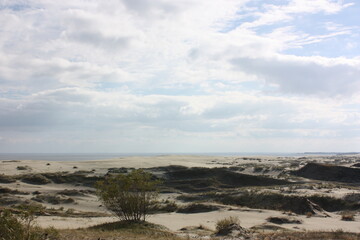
(248, 218)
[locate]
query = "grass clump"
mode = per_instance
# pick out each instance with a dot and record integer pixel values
(226, 223)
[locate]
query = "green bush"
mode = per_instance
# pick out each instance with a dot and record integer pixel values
(129, 196)
(22, 226)
(11, 228)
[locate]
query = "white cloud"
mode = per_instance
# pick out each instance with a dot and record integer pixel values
(169, 75)
(73, 108)
(306, 75)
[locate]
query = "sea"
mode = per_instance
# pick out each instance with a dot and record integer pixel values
(102, 156)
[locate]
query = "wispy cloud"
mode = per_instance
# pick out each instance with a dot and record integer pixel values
(279, 13)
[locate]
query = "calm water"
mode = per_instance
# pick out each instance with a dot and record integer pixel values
(99, 156)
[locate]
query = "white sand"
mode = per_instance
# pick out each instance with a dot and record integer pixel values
(173, 221)
(176, 221)
(101, 166)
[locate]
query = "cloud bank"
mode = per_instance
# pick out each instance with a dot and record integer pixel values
(179, 76)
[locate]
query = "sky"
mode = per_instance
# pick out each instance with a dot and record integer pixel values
(179, 76)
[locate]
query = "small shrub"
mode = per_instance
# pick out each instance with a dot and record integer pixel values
(167, 206)
(226, 223)
(22, 168)
(129, 196)
(309, 214)
(11, 227)
(70, 211)
(72, 192)
(202, 227)
(22, 226)
(282, 220)
(348, 217)
(31, 209)
(171, 206)
(258, 169)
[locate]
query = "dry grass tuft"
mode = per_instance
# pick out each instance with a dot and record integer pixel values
(226, 223)
(348, 217)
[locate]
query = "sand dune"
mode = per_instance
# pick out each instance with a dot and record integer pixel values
(237, 174)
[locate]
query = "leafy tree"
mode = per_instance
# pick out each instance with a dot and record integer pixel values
(129, 196)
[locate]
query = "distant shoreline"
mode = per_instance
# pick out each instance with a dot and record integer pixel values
(331, 153)
(104, 156)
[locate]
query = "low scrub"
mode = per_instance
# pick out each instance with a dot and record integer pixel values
(332, 204)
(275, 201)
(348, 217)
(23, 168)
(230, 226)
(226, 223)
(197, 208)
(5, 190)
(80, 178)
(150, 230)
(22, 226)
(352, 197)
(165, 206)
(36, 179)
(283, 220)
(329, 173)
(6, 179)
(52, 199)
(192, 180)
(335, 235)
(269, 200)
(73, 192)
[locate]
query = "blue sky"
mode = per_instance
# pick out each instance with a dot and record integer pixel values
(179, 76)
